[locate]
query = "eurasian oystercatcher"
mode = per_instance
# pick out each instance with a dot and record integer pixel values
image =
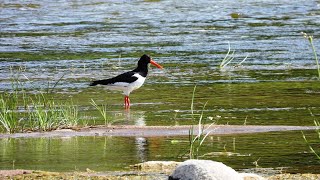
(129, 81)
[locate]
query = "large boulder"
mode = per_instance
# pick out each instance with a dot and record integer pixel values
(207, 170)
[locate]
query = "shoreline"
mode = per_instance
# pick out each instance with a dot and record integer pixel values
(119, 175)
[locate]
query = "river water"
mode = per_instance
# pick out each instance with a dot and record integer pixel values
(272, 79)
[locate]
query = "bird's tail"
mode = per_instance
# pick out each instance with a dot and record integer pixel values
(94, 83)
(102, 82)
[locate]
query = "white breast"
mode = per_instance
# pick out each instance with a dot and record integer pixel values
(127, 88)
(138, 83)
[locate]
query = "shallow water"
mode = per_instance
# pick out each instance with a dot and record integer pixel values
(41, 42)
(279, 151)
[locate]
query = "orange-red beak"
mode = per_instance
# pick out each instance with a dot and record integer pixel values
(156, 64)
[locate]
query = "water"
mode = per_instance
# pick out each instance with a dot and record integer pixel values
(44, 41)
(118, 153)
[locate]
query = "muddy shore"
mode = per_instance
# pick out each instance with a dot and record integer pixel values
(132, 175)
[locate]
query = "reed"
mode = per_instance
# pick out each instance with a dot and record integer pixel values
(229, 57)
(42, 113)
(310, 39)
(70, 114)
(103, 112)
(46, 114)
(317, 124)
(8, 115)
(196, 140)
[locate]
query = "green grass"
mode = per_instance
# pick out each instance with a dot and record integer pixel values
(38, 111)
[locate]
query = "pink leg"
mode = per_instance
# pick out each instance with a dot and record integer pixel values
(128, 101)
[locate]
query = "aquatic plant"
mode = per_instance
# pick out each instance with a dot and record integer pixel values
(8, 117)
(310, 39)
(317, 124)
(36, 113)
(196, 141)
(103, 111)
(46, 114)
(20, 110)
(70, 114)
(43, 113)
(229, 58)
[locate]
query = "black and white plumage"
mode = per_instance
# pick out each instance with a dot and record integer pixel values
(129, 81)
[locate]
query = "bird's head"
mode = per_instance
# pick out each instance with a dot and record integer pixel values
(146, 59)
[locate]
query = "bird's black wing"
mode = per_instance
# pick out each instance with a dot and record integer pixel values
(125, 77)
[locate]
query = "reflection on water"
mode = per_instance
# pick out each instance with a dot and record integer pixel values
(141, 144)
(126, 116)
(136, 117)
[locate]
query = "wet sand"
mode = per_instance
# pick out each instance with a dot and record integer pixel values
(153, 131)
(131, 175)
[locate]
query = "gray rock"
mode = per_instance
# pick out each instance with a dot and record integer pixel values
(205, 170)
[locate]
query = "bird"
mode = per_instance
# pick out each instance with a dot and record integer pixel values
(129, 81)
